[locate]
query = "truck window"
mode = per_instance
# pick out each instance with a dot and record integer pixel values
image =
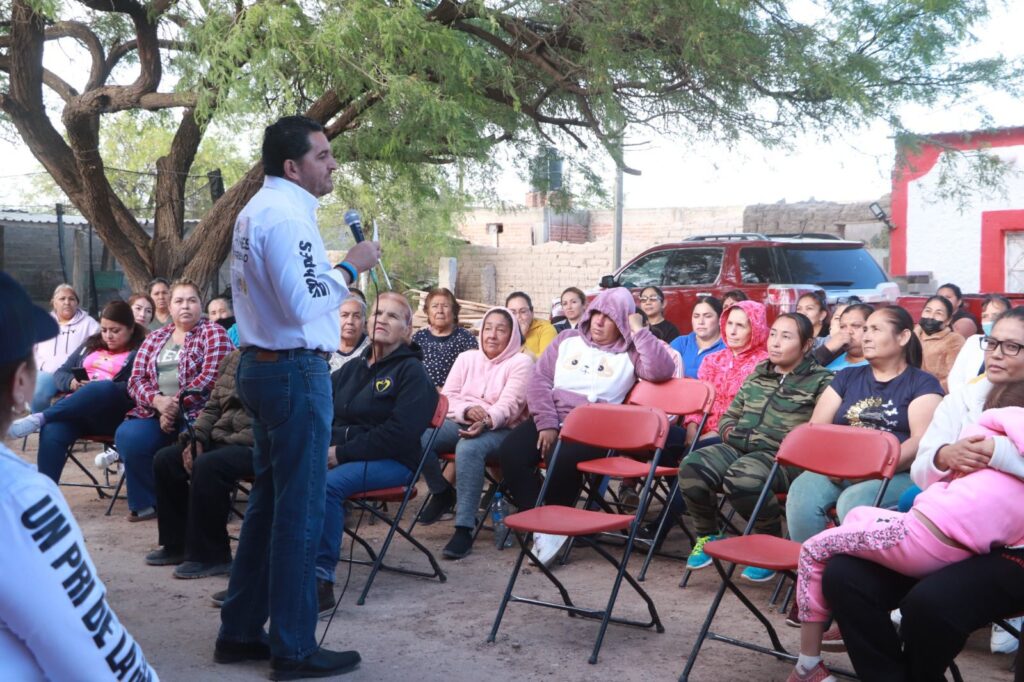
(852, 268)
(756, 266)
(690, 267)
(646, 271)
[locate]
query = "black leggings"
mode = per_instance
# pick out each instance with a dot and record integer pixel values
(939, 612)
(519, 457)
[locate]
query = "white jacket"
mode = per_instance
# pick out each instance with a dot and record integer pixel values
(967, 365)
(953, 413)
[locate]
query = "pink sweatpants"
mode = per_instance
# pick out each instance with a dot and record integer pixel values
(894, 540)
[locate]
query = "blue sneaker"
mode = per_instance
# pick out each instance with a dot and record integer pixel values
(698, 559)
(757, 575)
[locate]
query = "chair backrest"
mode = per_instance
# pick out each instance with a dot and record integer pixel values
(677, 397)
(440, 412)
(849, 452)
(616, 427)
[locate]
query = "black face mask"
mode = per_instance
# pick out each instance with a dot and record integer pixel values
(930, 326)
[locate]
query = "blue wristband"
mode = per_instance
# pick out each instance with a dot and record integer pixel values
(347, 267)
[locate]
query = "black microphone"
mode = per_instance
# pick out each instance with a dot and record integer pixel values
(355, 223)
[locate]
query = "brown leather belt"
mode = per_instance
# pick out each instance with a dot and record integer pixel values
(264, 355)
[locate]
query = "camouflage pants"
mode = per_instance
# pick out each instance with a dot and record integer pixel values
(740, 476)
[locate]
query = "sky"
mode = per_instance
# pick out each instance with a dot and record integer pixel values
(853, 166)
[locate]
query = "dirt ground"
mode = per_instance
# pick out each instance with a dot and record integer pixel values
(412, 628)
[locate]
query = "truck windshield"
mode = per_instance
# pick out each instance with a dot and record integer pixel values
(848, 268)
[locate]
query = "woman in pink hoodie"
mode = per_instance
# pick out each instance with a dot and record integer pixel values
(600, 361)
(486, 391)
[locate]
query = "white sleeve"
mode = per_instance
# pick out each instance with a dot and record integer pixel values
(1006, 457)
(944, 429)
(56, 605)
(307, 286)
(965, 367)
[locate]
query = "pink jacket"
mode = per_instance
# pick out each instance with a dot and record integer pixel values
(983, 509)
(726, 369)
(651, 360)
(496, 384)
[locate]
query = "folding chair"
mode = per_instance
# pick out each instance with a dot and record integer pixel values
(625, 428)
(679, 397)
(100, 488)
(846, 452)
(375, 501)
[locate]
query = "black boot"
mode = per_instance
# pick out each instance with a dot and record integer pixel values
(460, 545)
(438, 506)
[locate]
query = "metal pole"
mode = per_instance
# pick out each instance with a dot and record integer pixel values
(617, 229)
(60, 243)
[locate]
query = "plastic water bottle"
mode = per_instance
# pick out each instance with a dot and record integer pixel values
(502, 534)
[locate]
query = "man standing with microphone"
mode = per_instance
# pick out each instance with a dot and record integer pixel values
(286, 299)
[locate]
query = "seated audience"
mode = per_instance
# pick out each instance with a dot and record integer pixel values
(94, 407)
(55, 621)
(443, 339)
(75, 327)
(183, 356)
(827, 346)
(599, 362)
(849, 337)
(777, 397)
(353, 332)
(964, 323)
(219, 310)
(745, 331)
(573, 302)
(939, 343)
(970, 361)
(142, 308)
(537, 333)
(652, 303)
(706, 337)
(486, 393)
(732, 297)
(383, 402)
(194, 494)
(890, 393)
(160, 293)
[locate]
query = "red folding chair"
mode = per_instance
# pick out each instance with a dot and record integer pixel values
(846, 452)
(375, 501)
(679, 397)
(624, 428)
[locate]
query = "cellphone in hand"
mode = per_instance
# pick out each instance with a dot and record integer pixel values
(80, 374)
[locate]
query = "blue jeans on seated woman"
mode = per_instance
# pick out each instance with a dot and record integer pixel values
(46, 388)
(137, 441)
(812, 495)
(343, 481)
(96, 409)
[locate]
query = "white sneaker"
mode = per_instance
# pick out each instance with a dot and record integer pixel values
(107, 458)
(24, 426)
(1004, 642)
(546, 547)
(896, 616)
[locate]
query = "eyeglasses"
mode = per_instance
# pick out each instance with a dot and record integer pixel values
(649, 299)
(990, 344)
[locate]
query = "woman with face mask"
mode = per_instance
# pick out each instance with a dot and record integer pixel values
(970, 361)
(939, 343)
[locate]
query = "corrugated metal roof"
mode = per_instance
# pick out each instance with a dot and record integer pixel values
(41, 218)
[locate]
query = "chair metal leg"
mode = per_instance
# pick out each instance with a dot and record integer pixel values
(117, 492)
(511, 584)
(704, 629)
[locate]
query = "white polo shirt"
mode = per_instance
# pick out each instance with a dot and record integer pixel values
(286, 294)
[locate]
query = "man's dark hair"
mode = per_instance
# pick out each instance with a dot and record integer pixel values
(287, 138)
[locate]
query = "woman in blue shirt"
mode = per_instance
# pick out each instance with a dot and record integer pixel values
(706, 337)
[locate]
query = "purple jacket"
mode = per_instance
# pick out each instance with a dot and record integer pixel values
(549, 403)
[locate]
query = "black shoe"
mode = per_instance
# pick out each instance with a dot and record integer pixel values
(218, 598)
(460, 545)
(165, 557)
(226, 651)
(195, 569)
(322, 663)
(438, 506)
(324, 596)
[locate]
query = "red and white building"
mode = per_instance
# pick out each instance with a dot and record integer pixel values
(974, 239)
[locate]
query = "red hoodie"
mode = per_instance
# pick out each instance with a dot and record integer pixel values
(726, 370)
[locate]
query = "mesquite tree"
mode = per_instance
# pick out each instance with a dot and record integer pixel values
(419, 82)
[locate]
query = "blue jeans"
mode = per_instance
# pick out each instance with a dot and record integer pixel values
(96, 409)
(274, 571)
(137, 441)
(811, 495)
(471, 455)
(46, 388)
(343, 481)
